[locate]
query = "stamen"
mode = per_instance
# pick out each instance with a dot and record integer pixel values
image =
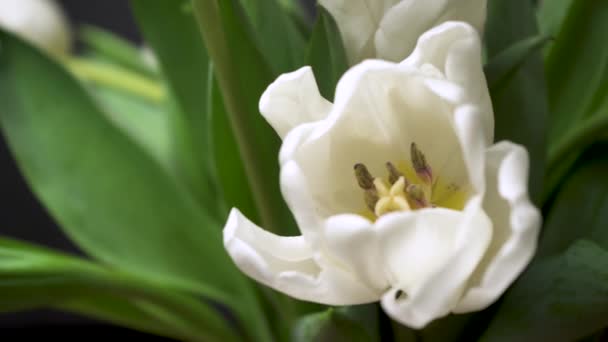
(393, 173)
(422, 168)
(364, 178)
(415, 194)
(371, 198)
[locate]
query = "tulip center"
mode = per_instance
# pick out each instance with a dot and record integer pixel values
(407, 188)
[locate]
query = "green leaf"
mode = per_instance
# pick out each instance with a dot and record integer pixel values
(113, 199)
(446, 329)
(109, 47)
(561, 298)
(171, 30)
(577, 91)
(326, 42)
(276, 34)
(580, 209)
(229, 166)
(564, 153)
(576, 77)
(330, 325)
(242, 76)
(520, 104)
(33, 277)
(508, 62)
(551, 15)
(144, 121)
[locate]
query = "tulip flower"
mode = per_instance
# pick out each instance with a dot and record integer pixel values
(389, 29)
(396, 188)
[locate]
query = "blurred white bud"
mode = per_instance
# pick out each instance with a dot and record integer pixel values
(41, 22)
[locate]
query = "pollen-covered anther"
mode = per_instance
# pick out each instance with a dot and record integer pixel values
(364, 178)
(416, 196)
(421, 166)
(366, 182)
(394, 174)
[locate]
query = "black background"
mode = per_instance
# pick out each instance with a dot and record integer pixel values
(22, 216)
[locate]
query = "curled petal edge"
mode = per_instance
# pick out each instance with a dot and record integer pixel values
(511, 163)
(289, 265)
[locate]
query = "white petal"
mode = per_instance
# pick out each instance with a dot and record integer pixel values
(454, 48)
(353, 241)
(293, 99)
(409, 19)
(468, 126)
(403, 24)
(516, 223)
(358, 21)
(432, 257)
(42, 22)
(289, 265)
(297, 193)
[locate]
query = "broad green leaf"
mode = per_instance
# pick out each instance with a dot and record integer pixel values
(561, 298)
(330, 325)
(507, 63)
(144, 121)
(113, 199)
(577, 66)
(275, 33)
(107, 46)
(578, 91)
(564, 153)
(171, 30)
(551, 15)
(33, 277)
(580, 209)
(520, 104)
(326, 54)
(242, 77)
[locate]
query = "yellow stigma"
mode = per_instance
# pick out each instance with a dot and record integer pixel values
(390, 199)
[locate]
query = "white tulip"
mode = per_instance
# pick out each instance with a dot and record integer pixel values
(41, 22)
(389, 29)
(434, 219)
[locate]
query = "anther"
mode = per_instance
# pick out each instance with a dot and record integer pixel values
(364, 178)
(393, 173)
(422, 168)
(416, 195)
(371, 198)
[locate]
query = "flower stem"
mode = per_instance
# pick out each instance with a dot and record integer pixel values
(234, 94)
(240, 111)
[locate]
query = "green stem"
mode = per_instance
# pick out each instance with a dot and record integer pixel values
(210, 23)
(115, 77)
